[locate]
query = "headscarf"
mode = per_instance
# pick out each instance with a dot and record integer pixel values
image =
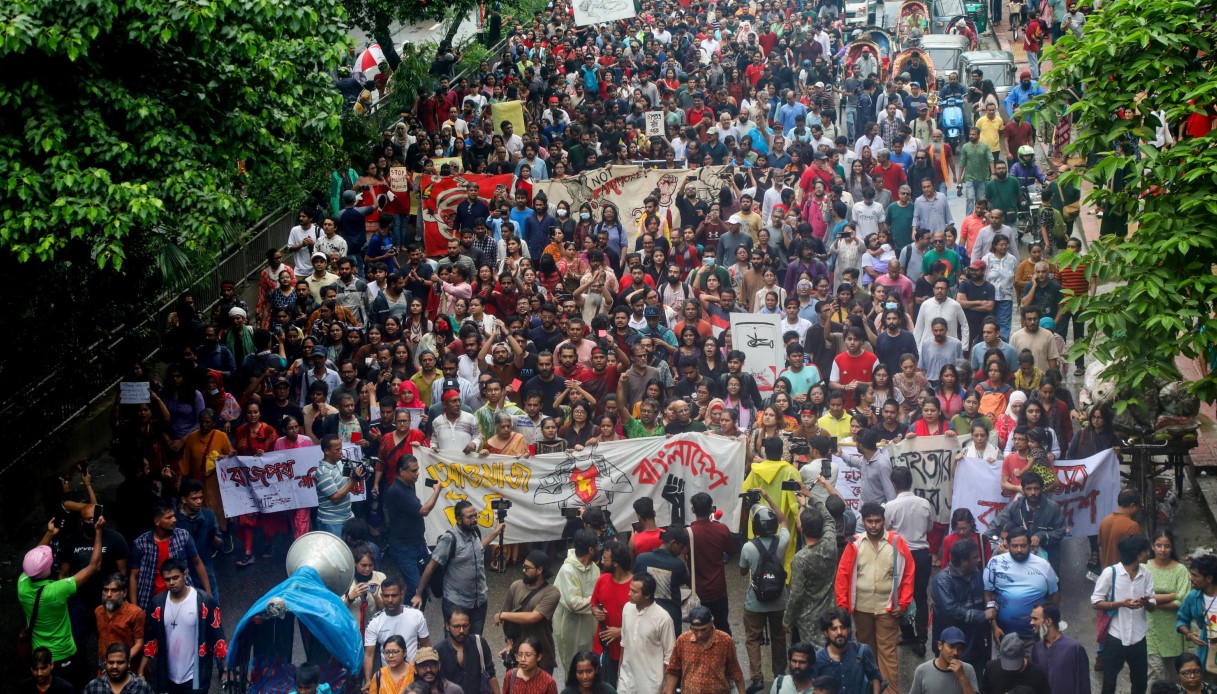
(1018, 397)
(216, 401)
(411, 387)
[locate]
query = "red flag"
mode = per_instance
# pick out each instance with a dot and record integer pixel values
(440, 196)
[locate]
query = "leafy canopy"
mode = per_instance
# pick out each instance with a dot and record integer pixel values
(118, 116)
(1144, 56)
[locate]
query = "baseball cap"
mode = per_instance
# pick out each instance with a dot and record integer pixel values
(450, 384)
(700, 616)
(317, 255)
(914, 84)
(820, 85)
(978, 265)
(1010, 653)
(820, 156)
(319, 351)
(280, 381)
(426, 655)
(1024, 75)
(953, 636)
(734, 219)
(650, 312)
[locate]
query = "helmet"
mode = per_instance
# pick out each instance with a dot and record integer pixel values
(764, 522)
(348, 197)
(1025, 151)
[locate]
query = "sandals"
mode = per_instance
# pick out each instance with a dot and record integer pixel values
(245, 561)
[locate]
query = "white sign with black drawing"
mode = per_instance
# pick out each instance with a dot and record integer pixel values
(759, 337)
(600, 11)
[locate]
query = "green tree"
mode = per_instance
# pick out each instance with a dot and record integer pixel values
(118, 118)
(1138, 57)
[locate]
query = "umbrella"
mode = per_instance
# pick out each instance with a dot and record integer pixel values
(368, 62)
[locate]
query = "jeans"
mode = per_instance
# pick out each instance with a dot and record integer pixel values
(477, 615)
(1002, 311)
(1033, 61)
(403, 231)
(971, 191)
(921, 582)
(851, 118)
(1079, 331)
(331, 528)
(407, 557)
(1116, 655)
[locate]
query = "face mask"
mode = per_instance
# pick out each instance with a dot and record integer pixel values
(584, 216)
(214, 391)
(562, 213)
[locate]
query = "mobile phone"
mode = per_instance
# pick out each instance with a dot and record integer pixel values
(825, 468)
(790, 486)
(832, 442)
(60, 520)
(636, 526)
(372, 587)
(430, 482)
(99, 510)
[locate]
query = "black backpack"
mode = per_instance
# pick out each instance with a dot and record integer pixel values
(769, 576)
(436, 586)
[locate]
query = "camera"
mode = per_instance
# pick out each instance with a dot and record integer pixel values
(431, 482)
(500, 507)
(799, 446)
(750, 498)
(570, 512)
(350, 467)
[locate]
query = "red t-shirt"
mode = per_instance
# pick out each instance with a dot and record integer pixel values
(847, 369)
(162, 556)
(612, 597)
(1018, 133)
(646, 540)
(893, 177)
(711, 540)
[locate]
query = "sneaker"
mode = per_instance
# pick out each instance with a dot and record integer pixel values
(756, 686)
(919, 650)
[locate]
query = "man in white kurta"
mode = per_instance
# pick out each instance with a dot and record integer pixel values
(647, 637)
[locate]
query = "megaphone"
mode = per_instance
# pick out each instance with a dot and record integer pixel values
(326, 553)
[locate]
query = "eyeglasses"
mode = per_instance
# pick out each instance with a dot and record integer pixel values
(1190, 673)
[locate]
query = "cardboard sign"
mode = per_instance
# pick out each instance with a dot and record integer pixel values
(654, 124)
(136, 393)
(399, 179)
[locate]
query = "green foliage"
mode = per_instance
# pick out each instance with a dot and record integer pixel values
(1142, 56)
(119, 117)
(472, 55)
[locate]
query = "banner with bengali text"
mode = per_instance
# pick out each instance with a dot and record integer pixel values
(275, 481)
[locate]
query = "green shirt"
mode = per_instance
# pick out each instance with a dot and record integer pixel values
(635, 430)
(1003, 195)
(900, 221)
(53, 630)
(951, 258)
(975, 160)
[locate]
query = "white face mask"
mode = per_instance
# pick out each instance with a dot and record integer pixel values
(562, 213)
(584, 216)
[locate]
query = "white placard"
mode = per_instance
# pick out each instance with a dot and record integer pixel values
(276, 481)
(134, 393)
(759, 337)
(601, 11)
(654, 124)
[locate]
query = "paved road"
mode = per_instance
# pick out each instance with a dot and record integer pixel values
(421, 32)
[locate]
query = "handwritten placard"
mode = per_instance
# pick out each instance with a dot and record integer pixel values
(134, 393)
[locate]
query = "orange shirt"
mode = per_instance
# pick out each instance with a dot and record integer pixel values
(125, 626)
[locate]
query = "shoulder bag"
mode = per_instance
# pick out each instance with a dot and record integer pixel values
(1102, 618)
(688, 596)
(25, 637)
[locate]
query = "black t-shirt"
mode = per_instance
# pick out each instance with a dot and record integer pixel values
(546, 341)
(549, 392)
(889, 349)
(975, 292)
(78, 549)
(58, 686)
(998, 681)
(923, 288)
(273, 414)
(401, 509)
(678, 428)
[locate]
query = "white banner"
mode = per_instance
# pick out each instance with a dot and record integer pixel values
(276, 481)
(759, 337)
(625, 187)
(1087, 491)
(929, 458)
(654, 124)
(600, 11)
(611, 475)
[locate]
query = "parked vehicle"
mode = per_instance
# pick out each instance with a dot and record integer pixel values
(944, 51)
(867, 12)
(995, 65)
(942, 12)
(951, 121)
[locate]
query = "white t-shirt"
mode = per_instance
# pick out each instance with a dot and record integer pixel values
(408, 624)
(182, 636)
(867, 218)
(301, 258)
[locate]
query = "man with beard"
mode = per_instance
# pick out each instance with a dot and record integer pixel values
(118, 678)
(851, 663)
(76, 553)
(1017, 581)
(1002, 191)
(959, 599)
(601, 379)
(894, 342)
(464, 657)
(547, 335)
(352, 291)
(118, 621)
(461, 550)
(812, 572)
(148, 550)
(1034, 338)
(1042, 517)
(547, 383)
(947, 673)
(345, 424)
(395, 619)
(703, 659)
(528, 609)
(427, 669)
(977, 298)
(184, 634)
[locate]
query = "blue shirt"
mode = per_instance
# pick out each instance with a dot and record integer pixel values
(856, 670)
(1019, 96)
(519, 218)
(330, 480)
(904, 159)
(788, 112)
(1019, 586)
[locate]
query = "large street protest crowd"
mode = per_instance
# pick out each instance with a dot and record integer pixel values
(547, 328)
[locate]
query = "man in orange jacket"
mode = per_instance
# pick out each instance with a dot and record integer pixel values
(875, 583)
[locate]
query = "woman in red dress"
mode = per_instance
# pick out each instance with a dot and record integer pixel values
(253, 438)
(293, 438)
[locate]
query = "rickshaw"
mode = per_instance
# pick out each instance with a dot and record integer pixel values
(880, 38)
(912, 22)
(260, 651)
(902, 59)
(857, 49)
(964, 26)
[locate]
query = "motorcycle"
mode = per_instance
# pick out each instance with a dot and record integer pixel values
(950, 119)
(1029, 206)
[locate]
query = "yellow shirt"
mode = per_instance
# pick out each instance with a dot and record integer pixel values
(835, 427)
(990, 131)
(751, 224)
(873, 587)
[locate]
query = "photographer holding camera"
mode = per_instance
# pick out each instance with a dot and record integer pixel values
(528, 611)
(335, 480)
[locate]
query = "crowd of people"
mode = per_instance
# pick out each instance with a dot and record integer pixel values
(546, 328)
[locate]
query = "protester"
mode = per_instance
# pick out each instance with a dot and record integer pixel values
(703, 658)
(647, 638)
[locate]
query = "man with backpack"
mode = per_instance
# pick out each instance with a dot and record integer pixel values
(763, 558)
(875, 583)
(459, 559)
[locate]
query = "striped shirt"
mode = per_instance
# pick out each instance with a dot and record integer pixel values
(1073, 282)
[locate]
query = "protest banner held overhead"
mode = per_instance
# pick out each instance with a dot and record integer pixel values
(759, 337)
(610, 475)
(440, 196)
(276, 481)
